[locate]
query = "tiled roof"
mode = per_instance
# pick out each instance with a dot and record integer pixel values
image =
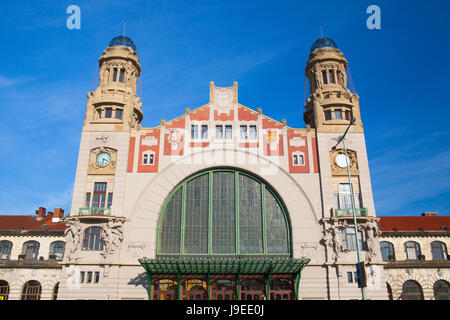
(412, 223)
(29, 223)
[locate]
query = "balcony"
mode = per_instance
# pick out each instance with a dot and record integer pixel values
(94, 211)
(360, 212)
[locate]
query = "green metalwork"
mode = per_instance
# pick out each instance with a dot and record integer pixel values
(94, 211)
(209, 286)
(360, 212)
(179, 285)
(268, 286)
(258, 225)
(150, 286)
(297, 285)
(239, 286)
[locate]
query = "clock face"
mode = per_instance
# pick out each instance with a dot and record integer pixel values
(103, 159)
(341, 160)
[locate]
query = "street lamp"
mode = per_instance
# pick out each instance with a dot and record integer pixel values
(342, 138)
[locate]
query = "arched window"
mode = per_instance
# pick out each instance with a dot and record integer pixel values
(55, 291)
(30, 250)
(224, 289)
(281, 289)
(57, 249)
(31, 290)
(412, 250)
(4, 290)
(252, 290)
(412, 291)
(387, 249)
(441, 290)
(165, 289)
(223, 212)
(439, 250)
(5, 249)
(91, 240)
(195, 289)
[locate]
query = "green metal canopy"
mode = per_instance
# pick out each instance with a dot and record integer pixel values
(247, 265)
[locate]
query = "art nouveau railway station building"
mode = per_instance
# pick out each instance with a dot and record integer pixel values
(222, 202)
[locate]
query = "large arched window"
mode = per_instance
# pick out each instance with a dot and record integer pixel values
(92, 240)
(439, 250)
(387, 250)
(5, 249)
(57, 249)
(412, 250)
(4, 290)
(30, 250)
(223, 212)
(412, 291)
(32, 290)
(441, 290)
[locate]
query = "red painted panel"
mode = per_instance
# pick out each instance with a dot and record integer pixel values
(291, 149)
(268, 124)
(248, 144)
(278, 151)
(199, 144)
(178, 123)
(246, 115)
(131, 154)
(223, 116)
(178, 145)
(155, 148)
(200, 115)
(314, 154)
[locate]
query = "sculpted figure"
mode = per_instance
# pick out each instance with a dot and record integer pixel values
(73, 234)
(112, 235)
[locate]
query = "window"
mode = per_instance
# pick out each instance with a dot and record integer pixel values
(331, 76)
(108, 112)
(99, 113)
(204, 132)
(350, 277)
(344, 198)
(110, 197)
(88, 199)
(4, 290)
(252, 132)
(194, 131)
(99, 195)
(219, 132)
(349, 239)
(57, 249)
(228, 132)
(412, 250)
(412, 291)
(32, 291)
(328, 115)
(244, 132)
(387, 249)
(211, 225)
(119, 114)
(298, 160)
(338, 114)
(145, 159)
(152, 158)
(5, 249)
(122, 74)
(324, 77)
(55, 291)
(82, 273)
(96, 277)
(348, 115)
(441, 290)
(30, 249)
(115, 75)
(89, 277)
(438, 250)
(148, 158)
(91, 240)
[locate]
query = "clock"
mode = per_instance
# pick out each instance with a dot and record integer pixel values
(103, 159)
(341, 160)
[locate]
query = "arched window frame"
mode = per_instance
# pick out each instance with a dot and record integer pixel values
(30, 249)
(92, 240)
(5, 249)
(389, 247)
(57, 245)
(419, 294)
(4, 290)
(265, 187)
(439, 250)
(443, 294)
(32, 290)
(412, 245)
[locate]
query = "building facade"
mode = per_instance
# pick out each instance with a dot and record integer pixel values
(415, 249)
(30, 251)
(222, 202)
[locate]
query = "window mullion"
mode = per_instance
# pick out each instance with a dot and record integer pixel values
(263, 212)
(236, 204)
(183, 216)
(210, 195)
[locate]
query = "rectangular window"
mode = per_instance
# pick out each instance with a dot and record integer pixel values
(301, 161)
(108, 112)
(122, 73)
(110, 197)
(88, 200)
(331, 74)
(194, 131)
(338, 114)
(328, 115)
(350, 277)
(99, 195)
(151, 158)
(347, 115)
(145, 160)
(99, 113)
(295, 160)
(115, 75)
(204, 132)
(82, 277)
(244, 132)
(344, 196)
(119, 114)
(336, 200)
(219, 132)
(228, 132)
(324, 77)
(89, 277)
(349, 239)
(252, 132)
(97, 277)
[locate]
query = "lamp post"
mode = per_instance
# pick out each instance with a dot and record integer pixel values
(342, 138)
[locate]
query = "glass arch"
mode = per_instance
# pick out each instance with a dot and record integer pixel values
(223, 212)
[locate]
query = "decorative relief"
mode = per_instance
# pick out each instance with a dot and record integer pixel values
(95, 168)
(73, 239)
(308, 250)
(339, 171)
(223, 100)
(149, 141)
(272, 139)
(371, 234)
(332, 238)
(112, 235)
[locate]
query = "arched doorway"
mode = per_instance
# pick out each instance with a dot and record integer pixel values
(32, 290)
(252, 289)
(281, 289)
(165, 289)
(195, 289)
(412, 291)
(223, 289)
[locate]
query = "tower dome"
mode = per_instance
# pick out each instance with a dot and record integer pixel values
(122, 41)
(323, 43)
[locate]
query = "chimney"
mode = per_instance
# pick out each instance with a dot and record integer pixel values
(58, 213)
(430, 214)
(40, 213)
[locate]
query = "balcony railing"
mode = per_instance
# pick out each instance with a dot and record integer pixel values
(360, 212)
(94, 211)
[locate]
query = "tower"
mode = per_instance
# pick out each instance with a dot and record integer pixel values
(114, 105)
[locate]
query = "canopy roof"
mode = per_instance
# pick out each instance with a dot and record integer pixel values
(242, 265)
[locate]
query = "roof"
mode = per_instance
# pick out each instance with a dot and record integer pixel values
(29, 223)
(414, 223)
(323, 43)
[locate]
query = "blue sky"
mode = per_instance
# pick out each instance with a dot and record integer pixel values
(400, 72)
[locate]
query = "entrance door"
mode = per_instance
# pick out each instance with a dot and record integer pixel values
(166, 290)
(252, 290)
(195, 290)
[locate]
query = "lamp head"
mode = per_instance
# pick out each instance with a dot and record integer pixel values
(353, 120)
